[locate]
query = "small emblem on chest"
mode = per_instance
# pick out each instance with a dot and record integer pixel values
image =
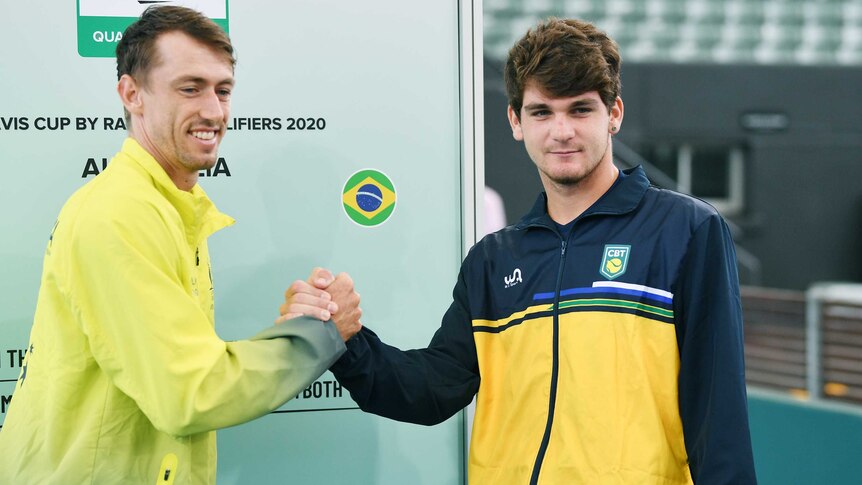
(615, 260)
(513, 279)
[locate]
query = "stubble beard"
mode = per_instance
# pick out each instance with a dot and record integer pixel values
(201, 161)
(571, 181)
(198, 162)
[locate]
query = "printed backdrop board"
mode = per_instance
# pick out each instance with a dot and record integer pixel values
(351, 147)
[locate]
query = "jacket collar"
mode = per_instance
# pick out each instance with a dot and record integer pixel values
(623, 197)
(200, 216)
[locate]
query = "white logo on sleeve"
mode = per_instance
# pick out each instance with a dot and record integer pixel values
(513, 279)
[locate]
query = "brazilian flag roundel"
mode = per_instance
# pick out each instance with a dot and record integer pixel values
(368, 197)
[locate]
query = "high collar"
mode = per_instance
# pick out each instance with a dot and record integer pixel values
(200, 216)
(623, 196)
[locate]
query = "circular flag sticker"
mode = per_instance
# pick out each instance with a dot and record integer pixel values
(368, 197)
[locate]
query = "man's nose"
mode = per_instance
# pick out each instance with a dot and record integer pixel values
(212, 107)
(562, 129)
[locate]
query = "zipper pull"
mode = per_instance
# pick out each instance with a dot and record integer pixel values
(167, 471)
(563, 253)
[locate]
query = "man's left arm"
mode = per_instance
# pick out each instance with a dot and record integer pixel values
(712, 394)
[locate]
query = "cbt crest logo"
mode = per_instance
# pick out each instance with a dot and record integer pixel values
(615, 260)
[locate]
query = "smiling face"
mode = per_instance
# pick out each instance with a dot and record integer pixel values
(179, 113)
(568, 138)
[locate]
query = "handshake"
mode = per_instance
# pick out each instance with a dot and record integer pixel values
(325, 297)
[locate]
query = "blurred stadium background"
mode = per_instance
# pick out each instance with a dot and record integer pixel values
(756, 107)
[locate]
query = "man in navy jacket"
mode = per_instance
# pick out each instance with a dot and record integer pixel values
(602, 332)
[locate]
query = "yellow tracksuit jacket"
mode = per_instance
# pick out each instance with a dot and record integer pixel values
(126, 380)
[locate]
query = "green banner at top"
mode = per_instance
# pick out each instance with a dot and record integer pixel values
(101, 23)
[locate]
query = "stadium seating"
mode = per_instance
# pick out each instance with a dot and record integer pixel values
(720, 31)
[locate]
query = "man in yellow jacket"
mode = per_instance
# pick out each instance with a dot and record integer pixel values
(126, 380)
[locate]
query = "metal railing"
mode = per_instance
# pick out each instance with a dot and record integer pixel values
(806, 343)
(834, 345)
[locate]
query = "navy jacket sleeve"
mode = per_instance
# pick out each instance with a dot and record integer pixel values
(712, 395)
(424, 386)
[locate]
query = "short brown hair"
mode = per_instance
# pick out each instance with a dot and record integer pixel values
(136, 52)
(564, 58)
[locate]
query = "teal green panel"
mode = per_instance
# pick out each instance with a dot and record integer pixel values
(797, 442)
(388, 105)
(340, 447)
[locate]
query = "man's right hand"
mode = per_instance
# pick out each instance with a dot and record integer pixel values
(345, 296)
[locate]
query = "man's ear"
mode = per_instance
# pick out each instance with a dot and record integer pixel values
(616, 116)
(130, 94)
(515, 123)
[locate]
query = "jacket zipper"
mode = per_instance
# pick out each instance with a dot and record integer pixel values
(543, 448)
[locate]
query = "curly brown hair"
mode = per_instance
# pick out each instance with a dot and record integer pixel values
(564, 57)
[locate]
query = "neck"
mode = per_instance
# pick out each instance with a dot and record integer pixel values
(183, 179)
(568, 201)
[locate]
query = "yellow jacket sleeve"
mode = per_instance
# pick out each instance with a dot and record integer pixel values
(129, 287)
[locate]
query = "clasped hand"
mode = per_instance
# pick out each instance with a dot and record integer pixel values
(324, 297)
